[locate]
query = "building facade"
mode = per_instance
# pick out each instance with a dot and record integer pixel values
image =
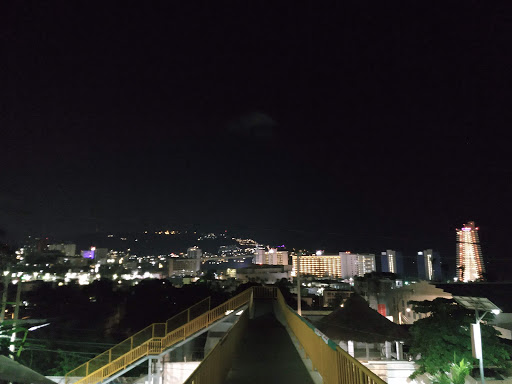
(270, 257)
(194, 253)
(429, 265)
(392, 261)
(342, 266)
(349, 264)
(399, 307)
(268, 274)
(470, 264)
(366, 264)
(183, 266)
(67, 249)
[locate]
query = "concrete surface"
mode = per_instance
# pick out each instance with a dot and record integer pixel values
(267, 354)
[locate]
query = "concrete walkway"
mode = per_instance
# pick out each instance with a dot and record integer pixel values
(267, 354)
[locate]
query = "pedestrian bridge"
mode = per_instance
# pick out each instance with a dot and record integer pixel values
(258, 348)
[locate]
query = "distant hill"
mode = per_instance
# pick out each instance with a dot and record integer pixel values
(150, 243)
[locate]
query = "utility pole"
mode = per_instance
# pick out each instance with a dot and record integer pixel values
(4, 296)
(16, 316)
(299, 310)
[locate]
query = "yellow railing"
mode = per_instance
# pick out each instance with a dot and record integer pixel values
(263, 292)
(332, 363)
(155, 339)
(216, 365)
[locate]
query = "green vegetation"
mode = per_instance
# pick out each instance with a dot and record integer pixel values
(445, 334)
(457, 374)
(84, 321)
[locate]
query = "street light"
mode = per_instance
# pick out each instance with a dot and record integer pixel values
(483, 305)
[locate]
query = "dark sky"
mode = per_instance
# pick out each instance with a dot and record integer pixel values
(386, 124)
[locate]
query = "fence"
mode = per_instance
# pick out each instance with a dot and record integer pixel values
(263, 292)
(155, 339)
(332, 363)
(216, 365)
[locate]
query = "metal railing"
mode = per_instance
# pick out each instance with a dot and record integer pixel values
(263, 292)
(155, 339)
(332, 363)
(216, 365)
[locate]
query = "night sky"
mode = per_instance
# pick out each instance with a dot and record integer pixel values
(360, 125)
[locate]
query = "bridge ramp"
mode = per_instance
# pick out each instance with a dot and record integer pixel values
(267, 354)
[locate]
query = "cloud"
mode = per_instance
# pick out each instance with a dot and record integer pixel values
(254, 125)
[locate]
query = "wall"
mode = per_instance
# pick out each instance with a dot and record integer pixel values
(178, 373)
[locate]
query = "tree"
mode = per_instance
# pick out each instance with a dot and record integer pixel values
(457, 374)
(65, 362)
(443, 338)
(7, 256)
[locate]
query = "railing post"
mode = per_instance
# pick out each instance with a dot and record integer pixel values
(251, 304)
(150, 371)
(87, 369)
(131, 343)
(110, 355)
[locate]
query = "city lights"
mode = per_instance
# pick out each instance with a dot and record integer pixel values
(470, 266)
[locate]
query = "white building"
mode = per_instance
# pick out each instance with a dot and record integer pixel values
(355, 264)
(194, 253)
(270, 257)
(341, 266)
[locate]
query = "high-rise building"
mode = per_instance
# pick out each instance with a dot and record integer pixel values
(341, 266)
(319, 265)
(194, 253)
(470, 264)
(392, 261)
(349, 264)
(366, 264)
(271, 257)
(429, 265)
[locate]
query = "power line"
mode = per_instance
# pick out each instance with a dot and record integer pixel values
(72, 342)
(54, 350)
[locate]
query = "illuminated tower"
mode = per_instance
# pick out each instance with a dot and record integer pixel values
(470, 264)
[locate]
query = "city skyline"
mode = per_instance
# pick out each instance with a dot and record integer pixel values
(169, 170)
(298, 127)
(407, 262)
